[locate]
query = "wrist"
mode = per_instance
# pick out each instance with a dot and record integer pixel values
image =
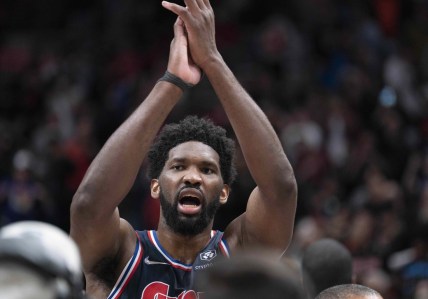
(177, 81)
(210, 62)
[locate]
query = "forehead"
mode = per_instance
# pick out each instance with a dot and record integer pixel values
(194, 150)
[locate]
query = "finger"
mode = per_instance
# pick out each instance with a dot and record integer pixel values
(175, 8)
(201, 4)
(181, 11)
(207, 4)
(179, 21)
(178, 27)
(192, 5)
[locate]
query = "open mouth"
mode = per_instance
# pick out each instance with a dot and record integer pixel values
(189, 201)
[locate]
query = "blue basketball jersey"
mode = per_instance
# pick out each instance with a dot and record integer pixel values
(152, 273)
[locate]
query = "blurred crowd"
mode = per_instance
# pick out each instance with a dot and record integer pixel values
(345, 84)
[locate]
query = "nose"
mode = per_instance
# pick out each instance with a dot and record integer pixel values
(192, 176)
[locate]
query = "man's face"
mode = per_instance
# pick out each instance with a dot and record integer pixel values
(190, 188)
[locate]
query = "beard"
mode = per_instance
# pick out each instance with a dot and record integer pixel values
(188, 225)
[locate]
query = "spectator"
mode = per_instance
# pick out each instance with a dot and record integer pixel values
(326, 263)
(251, 275)
(22, 196)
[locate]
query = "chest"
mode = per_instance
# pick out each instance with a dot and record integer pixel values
(158, 275)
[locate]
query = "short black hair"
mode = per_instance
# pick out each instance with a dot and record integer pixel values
(327, 263)
(193, 128)
(251, 274)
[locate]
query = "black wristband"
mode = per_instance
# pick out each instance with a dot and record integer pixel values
(171, 78)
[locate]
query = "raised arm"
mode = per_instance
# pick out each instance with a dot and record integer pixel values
(95, 222)
(269, 218)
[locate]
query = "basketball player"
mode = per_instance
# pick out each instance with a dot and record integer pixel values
(191, 171)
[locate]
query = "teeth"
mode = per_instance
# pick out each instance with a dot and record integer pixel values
(189, 201)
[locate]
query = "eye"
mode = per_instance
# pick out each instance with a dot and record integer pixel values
(207, 170)
(177, 167)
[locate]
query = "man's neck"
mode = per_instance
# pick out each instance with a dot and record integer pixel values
(183, 248)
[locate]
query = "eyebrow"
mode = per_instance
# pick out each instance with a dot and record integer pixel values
(204, 162)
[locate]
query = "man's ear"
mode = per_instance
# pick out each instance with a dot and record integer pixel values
(155, 188)
(224, 195)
